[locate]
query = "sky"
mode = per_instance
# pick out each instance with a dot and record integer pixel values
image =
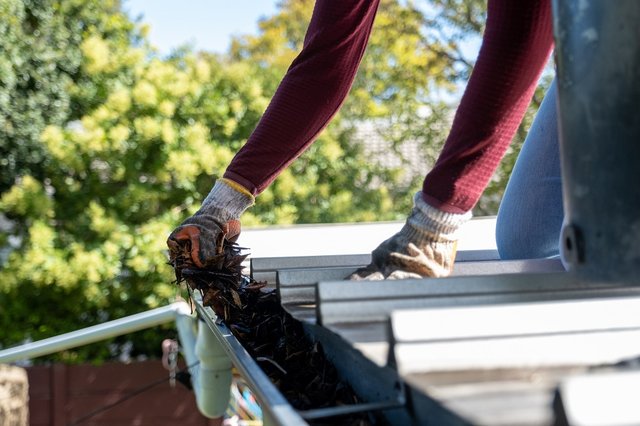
(206, 24)
(209, 24)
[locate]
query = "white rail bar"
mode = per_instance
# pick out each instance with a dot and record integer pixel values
(96, 333)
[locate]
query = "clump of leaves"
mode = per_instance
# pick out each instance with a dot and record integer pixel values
(297, 366)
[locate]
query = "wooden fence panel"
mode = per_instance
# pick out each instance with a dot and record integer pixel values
(63, 394)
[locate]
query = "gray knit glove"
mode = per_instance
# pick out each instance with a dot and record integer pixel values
(216, 220)
(424, 247)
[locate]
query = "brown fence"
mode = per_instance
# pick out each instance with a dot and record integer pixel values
(66, 394)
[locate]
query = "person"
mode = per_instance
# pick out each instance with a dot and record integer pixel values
(516, 45)
(530, 216)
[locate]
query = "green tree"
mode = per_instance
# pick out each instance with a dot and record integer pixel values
(41, 60)
(142, 142)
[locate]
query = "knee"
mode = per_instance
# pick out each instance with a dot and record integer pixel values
(525, 239)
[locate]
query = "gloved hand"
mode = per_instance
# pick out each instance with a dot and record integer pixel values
(424, 247)
(216, 220)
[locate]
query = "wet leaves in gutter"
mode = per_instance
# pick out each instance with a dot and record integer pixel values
(297, 366)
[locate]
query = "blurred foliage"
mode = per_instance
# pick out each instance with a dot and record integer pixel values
(41, 73)
(137, 146)
(106, 146)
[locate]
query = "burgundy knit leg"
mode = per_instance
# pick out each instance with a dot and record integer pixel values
(516, 45)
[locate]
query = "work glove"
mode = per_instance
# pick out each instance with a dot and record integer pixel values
(425, 246)
(217, 220)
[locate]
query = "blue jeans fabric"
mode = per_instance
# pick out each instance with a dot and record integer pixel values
(531, 213)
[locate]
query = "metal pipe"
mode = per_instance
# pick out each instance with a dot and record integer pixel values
(214, 375)
(187, 335)
(96, 333)
(210, 367)
(598, 62)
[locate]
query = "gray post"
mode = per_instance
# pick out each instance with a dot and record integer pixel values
(598, 60)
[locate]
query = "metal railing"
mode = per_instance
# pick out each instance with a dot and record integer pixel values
(96, 333)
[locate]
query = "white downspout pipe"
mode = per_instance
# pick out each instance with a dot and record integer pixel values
(211, 371)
